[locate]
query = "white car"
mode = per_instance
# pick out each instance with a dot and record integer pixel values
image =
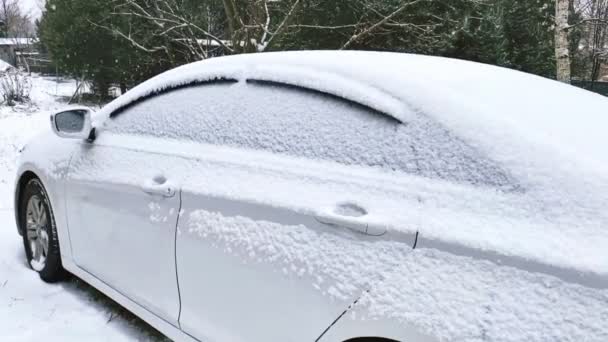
(332, 196)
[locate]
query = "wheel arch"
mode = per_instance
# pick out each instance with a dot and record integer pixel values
(23, 180)
(370, 339)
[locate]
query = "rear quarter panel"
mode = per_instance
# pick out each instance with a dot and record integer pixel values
(458, 298)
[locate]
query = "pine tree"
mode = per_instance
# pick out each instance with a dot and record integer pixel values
(73, 33)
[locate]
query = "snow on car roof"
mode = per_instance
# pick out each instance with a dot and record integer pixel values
(550, 136)
(228, 68)
(462, 95)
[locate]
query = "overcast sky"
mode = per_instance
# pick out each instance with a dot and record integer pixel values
(32, 7)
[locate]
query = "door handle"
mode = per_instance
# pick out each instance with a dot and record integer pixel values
(351, 217)
(159, 186)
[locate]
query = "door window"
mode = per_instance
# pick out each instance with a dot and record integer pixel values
(303, 123)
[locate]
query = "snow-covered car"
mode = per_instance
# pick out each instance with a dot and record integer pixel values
(330, 196)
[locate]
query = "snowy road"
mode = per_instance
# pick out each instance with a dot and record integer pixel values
(31, 310)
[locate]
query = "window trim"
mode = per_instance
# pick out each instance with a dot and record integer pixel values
(168, 90)
(222, 80)
(326, 94)
(514, 187)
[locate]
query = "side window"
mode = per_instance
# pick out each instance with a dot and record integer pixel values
(302, 123)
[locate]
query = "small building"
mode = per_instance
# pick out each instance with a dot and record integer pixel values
(12, 48)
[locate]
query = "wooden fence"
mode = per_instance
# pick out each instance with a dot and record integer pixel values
(596, 87)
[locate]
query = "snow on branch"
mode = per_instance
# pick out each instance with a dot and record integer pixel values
(196, 30)
(164, 26)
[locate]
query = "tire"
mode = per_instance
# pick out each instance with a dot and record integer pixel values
(370, 339)
(40, 231)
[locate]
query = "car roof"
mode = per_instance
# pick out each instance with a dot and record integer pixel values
(280, 68)
(466, 97)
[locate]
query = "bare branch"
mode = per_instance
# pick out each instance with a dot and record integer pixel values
(283, 24)
(267, 25)
(130, 39)
(181, 30)
(322, 27)
(377, 25)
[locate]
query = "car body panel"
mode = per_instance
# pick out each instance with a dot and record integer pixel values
(170, 330)
(252, 248)
(261, 302)
(277, 265)
(525, 135)
(463, 298)
(47, 157)
(300, 289)
(114, 213)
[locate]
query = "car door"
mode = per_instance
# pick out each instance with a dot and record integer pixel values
(282, 223)
(122, 205)
(278, 233)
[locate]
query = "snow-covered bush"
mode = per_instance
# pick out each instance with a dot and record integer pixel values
(15, 87)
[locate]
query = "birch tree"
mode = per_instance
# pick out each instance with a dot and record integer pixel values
(562, 44)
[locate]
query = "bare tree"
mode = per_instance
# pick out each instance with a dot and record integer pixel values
(14, 22)
(14, 85)
(167, 24)
(364, 29)
(249, 25)
(171, 27)
(262, 22)
(18, 27)
(257, 24)
(594, 42)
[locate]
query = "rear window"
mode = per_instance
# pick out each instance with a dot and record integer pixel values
(302, 123)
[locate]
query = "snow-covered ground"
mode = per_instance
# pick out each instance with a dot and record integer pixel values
(30, 309)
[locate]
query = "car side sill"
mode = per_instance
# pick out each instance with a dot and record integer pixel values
(164, 327)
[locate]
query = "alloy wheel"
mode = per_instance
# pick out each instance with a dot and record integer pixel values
(37, 221)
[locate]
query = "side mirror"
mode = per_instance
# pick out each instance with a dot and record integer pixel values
(73, 124)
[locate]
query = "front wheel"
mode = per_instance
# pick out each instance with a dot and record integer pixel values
(40, 234)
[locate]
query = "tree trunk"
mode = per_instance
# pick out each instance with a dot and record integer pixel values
(234, 23)
(562, 46)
